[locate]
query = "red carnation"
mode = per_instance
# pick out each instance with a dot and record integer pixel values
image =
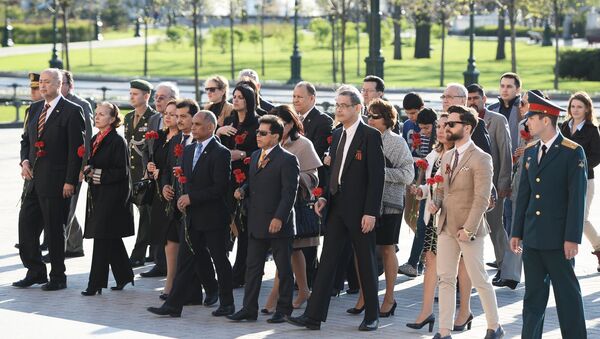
(438, 179)
(39, 144)
(182, 179)
(416, 140)
(178, 150)
(81, 151)
(317, 192)
(329, 138)
(177, 172)
(422, 164)
(41, 153)
(151, 135)
(526, 135)
(239, 139)
(430, 181)
(240, 177)
(247, 161)
(237, 171)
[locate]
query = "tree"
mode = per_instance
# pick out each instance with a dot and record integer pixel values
(321, 30)
(397, 19)
(500, 50)
(64, 6)
(421, 14)
(220, 37)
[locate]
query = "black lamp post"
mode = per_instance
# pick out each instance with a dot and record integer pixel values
(98, 28)
(375, 60)
(138, 23)
(296, 58)
(7, 40)
(471, 75)
(55, 62)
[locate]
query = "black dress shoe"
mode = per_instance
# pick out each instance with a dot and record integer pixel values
(369, 325)
(153, 273)
(243, 314)
(277, 318)
(165, 310)
(120, 286)
(211, 299)
(492, 264)
(17, 245)
(29, 282)
(136, 262)
(304, 321)
(497, 334)
(69, 254)
(46, 258)
(497, 276)
(266, 311)
(224, 310)
(54, 286)
(512, 284)
(439, 336)
(352, 290)
(355, 310)
(91, 291)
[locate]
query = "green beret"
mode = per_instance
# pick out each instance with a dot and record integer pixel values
(141, 85)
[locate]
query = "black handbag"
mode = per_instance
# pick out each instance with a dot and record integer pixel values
(307, 221)
(143, 192)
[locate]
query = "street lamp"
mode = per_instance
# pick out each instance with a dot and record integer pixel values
(7, 40)
(471, 75)
(55, 62)
(296, 58)
(375, 61)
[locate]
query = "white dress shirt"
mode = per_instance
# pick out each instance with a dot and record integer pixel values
(548, 144)
(53, 104)
(350, 131)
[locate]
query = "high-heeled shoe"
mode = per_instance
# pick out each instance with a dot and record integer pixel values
(390, 312)
(467, 324)
(163, 296)
(429, 320)
(119, 287)
(297, 306)
(355, 310)
(91, 291)
(266, 311)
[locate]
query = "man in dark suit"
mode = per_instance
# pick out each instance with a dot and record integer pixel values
(207, 166)
(317, 128)
(549, 222)
(51, 165)
(355, 193)
(270, 192)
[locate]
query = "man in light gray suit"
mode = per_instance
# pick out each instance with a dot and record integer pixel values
(498, 129)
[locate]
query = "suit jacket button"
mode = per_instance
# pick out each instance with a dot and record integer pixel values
(537, 196)
(537, 179)
(538, 212)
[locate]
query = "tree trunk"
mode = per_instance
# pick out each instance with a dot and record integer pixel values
(422, 39)
(357, 43)
(556, 54)
(442, 61)
(397, 16)
(146, 46)
(513, 36)
(500, 50)
(333, 58)
(343, 43)
(66, 37)
(231, 39)
(195, 23)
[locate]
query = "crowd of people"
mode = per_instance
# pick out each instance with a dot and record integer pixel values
(277, 180)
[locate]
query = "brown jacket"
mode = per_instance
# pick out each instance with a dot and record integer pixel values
(225, 112)
(466, 196)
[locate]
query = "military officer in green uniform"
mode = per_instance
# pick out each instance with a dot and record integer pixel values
(549, 222)
(136, 126)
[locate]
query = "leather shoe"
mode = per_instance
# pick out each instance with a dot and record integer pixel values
(243, 314)
(352, 290)
(277, 318)
(304, 321)
(136, 262)
(69, 254)
(439, 336)
(29, 281)
(497, 334)
(211, 299)
(512, 284)
(54, 286)
(165, 310)
(153, 273)
(224, 310)
(497, 276)
(492, 264)
(369, 325)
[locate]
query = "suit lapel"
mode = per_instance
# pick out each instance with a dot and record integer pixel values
(55, 112)
(462, 161)
(202, 157)
(551, 153)
(356, 141)
(269, 157)
(254, 162)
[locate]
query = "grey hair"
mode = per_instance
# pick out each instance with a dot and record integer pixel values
(209, 116)
(351, 92)
(310, 88)
(459, 87)
(56, 74)
(171, 86)
(250, 73)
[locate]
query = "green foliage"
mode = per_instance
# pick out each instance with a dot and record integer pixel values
(176, 34)
(238, 35)
(114, 14)
(322, 31)
(39, 34)
(492, 30)
(220, 38)
(254, 35)
(581, 64)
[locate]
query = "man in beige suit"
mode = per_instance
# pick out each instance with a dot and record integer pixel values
(461, 226)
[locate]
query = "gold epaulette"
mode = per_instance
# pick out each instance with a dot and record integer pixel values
(533, 143)
(569, 143)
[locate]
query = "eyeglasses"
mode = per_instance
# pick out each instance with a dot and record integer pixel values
(450, 97)
(367, 90)
(262, 133)
(451, 124)
(211, 89)
(344, 106)
(374, 116)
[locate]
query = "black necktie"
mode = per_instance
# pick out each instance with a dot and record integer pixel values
(337, 165)
(544, 148)
(184, 139)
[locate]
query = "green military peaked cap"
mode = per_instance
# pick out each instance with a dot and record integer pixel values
(141, 85)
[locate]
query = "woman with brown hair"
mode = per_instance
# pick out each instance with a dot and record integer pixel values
(216, 88)
(109, 212)
(582, 127)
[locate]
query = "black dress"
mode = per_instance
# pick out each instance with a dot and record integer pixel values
(162, 226)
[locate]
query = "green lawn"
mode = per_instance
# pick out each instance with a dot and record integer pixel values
(7, 113)
(535, 63)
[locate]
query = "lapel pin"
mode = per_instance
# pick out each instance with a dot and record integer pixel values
(581, 164)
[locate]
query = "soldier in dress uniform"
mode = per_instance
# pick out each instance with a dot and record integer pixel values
(549, 222)
(136, 126)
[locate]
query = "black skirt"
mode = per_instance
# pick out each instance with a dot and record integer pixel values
(163, 227)
(388, 230)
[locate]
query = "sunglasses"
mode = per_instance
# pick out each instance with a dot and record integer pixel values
(211, 89)
(451, 124)
(374, 116)
(262, 133)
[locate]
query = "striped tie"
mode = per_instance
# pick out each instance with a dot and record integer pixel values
(42, 120)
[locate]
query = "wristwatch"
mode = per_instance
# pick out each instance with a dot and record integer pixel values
(470, 234)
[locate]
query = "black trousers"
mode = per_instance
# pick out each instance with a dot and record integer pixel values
(312, 262)
(282, 254)
(239, 267)
(109, 252)
(194, 270)
(339, 228)
(143, 236)
(36, 212)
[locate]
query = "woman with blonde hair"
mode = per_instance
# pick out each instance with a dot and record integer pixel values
(216, 88)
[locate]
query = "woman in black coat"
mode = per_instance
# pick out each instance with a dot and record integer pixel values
(109, 213)
(582, 127)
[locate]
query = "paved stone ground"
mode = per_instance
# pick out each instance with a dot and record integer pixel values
(26, 313)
